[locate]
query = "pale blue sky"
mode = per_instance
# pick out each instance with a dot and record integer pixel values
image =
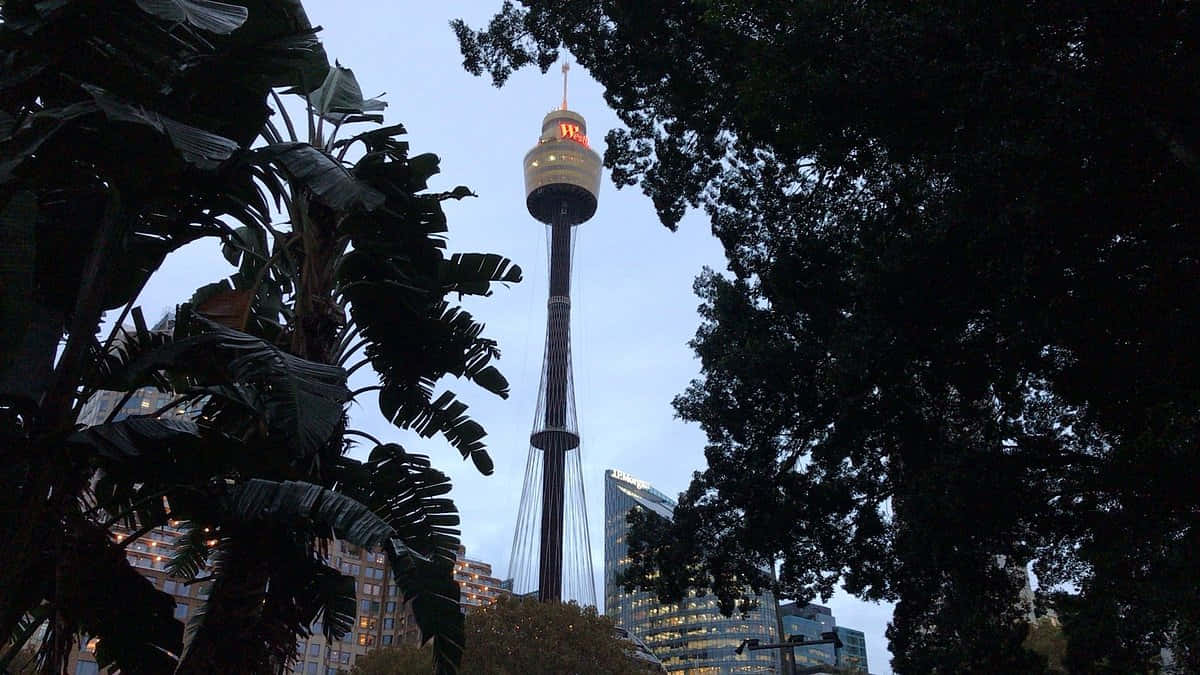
(633, 309)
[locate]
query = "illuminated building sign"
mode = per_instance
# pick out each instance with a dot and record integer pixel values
(637, 483)
(571, 132)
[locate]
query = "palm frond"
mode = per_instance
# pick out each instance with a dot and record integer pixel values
(301, 401)
(427, 582)
(99, 593)
(192, 551)
(323, 174)
(411, 409)
(407, 492)
(207, 15)
(339, 95)
(474, 273)
(197, 146)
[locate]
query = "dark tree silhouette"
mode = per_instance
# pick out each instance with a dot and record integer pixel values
(964, 259)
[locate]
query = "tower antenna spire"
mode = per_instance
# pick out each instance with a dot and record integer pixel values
(565, 68)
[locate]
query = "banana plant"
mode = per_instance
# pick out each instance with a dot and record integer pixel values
(353, 274)
(121, 124)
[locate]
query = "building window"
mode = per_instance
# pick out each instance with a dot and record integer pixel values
(391, 606)
(181, 611)
(366, 640)
(87, 668)
(314, 650)
(389, 623)
(364, 605)
(311, 668)
(387, 640)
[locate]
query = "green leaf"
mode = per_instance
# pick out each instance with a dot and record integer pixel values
(380, 139)
(301, 401)
(18, 232)
(108, 599)
(198, 147)
(133, 436)
(423, 167)
(446, 415)
(340, 95)
(208, 15)
(427, 583)
(474, 273)
(326, 177)
(191, 552)
(409, 494)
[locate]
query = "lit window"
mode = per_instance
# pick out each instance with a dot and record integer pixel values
(145, 403)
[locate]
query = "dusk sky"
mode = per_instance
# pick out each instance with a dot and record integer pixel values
(633, 309)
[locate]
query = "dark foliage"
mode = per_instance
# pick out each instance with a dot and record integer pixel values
(125, 133)
(964, 258)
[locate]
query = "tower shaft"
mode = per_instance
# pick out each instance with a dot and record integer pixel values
(560, 439)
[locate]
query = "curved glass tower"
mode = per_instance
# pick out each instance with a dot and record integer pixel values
(690, 636)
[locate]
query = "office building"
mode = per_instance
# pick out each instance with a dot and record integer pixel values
(692, 636)
(811, 621)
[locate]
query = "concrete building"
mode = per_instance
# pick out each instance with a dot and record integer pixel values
(383, 618)
(477, 586)
(691, 636)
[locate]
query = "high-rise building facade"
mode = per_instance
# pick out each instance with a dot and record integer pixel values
(852, 655)
(692, 636)
(811, 621)
(476, 585)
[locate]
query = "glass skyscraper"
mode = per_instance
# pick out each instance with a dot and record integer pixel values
(691, 636)
(810, 621)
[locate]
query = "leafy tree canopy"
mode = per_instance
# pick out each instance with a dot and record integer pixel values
(515, 636)
(964, 260)
(405, 660)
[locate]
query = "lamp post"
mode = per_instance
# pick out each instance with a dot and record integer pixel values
(793, 641)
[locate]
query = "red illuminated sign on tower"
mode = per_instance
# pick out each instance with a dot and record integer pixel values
(571, 132)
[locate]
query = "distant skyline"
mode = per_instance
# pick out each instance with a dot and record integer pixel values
(633, 309)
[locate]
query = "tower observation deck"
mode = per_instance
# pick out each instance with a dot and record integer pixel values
(551, 552)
